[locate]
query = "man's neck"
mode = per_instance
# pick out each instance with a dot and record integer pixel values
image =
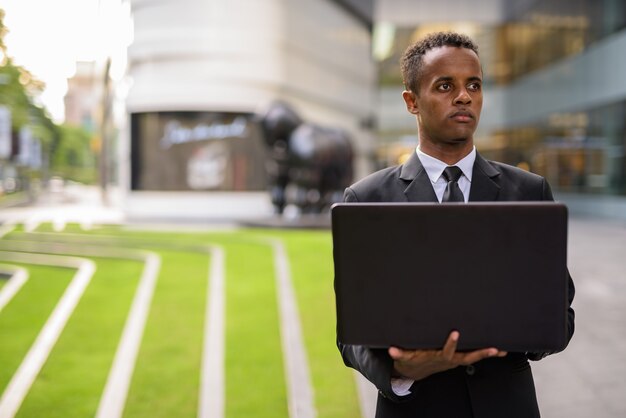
(448, 153)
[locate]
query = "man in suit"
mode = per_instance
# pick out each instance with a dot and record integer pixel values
(443, 81)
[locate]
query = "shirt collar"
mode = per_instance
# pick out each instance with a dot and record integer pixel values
(434, 167)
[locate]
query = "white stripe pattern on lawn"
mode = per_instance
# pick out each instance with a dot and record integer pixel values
(299, 387)
(33, 221)
(211, 400)
(13, 285)
(116, 390)
(37, 355)
(212, 395)
(7, 227)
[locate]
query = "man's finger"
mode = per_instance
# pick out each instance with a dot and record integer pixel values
(397, 354)
(450, 347)
(478, 355)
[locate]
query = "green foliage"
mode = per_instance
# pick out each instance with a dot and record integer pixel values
(18, 88)
(13, 94)
(73, 158)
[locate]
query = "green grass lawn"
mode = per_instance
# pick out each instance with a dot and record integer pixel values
(170, 354)
(72, 380)
(167, 374)
(25, 315)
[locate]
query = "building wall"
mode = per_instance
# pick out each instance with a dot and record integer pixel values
(554, 94)
(239, 55)
(84, 91)
(415, 12)
(585, 81)
(235, 57)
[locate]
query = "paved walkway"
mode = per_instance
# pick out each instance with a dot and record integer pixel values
(589, 378)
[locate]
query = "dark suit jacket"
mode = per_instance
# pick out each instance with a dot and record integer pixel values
(498, 387)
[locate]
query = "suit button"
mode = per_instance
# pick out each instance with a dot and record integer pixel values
(470, 370)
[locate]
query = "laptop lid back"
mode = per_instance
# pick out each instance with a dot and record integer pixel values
(406, 275)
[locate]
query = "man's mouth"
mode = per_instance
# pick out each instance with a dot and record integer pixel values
(462, 116)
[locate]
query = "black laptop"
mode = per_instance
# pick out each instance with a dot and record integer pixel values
(407, 274)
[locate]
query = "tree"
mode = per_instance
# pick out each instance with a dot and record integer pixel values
(73, 157)
(18, 88)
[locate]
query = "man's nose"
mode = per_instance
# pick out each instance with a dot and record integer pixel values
(463, 97)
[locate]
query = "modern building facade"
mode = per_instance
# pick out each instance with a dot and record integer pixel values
(555, 94)
(555, 99)
(202, 70)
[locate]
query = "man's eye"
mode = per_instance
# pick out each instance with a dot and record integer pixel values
(445, 87)
(474, 87)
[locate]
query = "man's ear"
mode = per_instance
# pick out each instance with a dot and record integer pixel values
(411, 102)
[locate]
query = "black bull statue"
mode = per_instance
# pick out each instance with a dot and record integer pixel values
(309, 165)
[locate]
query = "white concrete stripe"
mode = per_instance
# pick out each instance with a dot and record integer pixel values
(82, 249)
(7, 227)
(367, 394)
(36, 357)
(299, 387)
(86, 224)
(13, 285)
(211, 402)
(59, 222)
(32, 222)
(113, 399)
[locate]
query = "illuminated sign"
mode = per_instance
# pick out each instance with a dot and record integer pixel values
(175, 133)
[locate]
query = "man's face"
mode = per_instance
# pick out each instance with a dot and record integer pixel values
(450, 96)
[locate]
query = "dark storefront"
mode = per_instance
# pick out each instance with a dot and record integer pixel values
(186, 151)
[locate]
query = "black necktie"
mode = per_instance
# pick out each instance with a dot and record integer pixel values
(453, 193)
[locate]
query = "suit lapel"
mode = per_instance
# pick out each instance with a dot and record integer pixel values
(420, 188)
(484, 187)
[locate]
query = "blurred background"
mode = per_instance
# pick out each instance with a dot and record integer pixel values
(231, 110)
(155, 100)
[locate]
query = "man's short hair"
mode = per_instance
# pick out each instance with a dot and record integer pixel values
(411, 62)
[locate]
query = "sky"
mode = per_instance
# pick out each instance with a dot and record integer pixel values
(47, 37)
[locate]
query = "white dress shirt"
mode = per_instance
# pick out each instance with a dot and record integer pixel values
(434, 169)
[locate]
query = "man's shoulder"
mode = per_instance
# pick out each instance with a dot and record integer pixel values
(378, 177)
(518, 184)
(510, 171)
(377, 186)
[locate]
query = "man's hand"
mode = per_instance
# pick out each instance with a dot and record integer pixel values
(419, 364)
